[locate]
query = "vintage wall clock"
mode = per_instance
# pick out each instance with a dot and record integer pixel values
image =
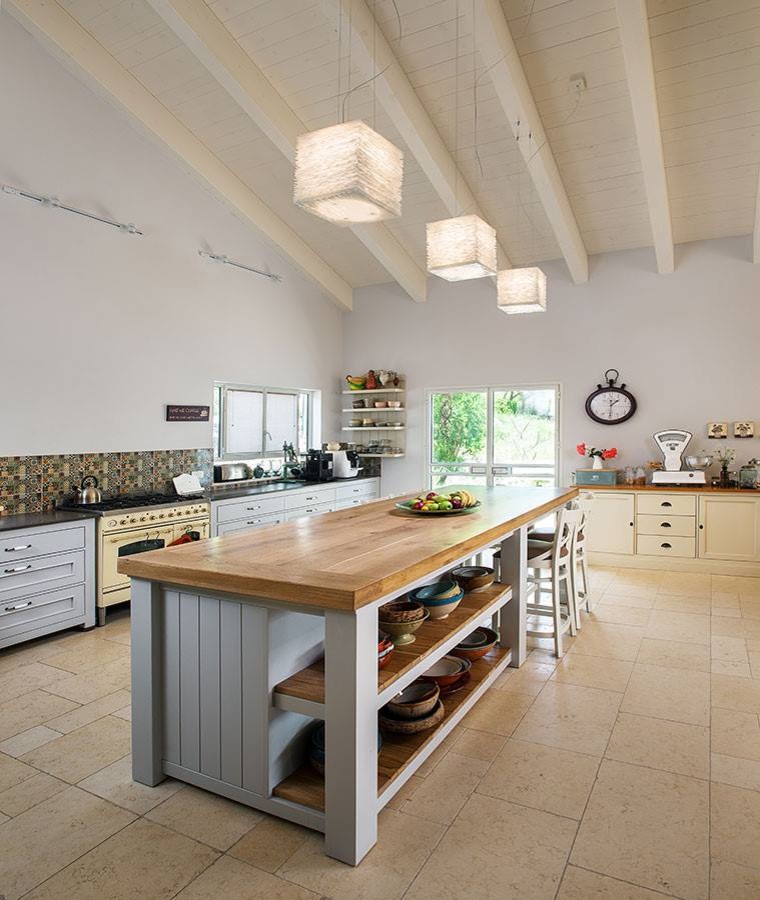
(610, 404)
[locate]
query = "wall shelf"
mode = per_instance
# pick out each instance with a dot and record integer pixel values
(393, 390)
(373, 428)
(373, 409)
(383, 448)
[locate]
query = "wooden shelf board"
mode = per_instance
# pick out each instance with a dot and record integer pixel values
(373, 428)
(393, 390)
(399, 751)
(372, 409)
(309, 683)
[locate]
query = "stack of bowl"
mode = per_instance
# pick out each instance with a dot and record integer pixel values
(317, 747)
(417, 708)
(450, 673)
(473, 578)
(384, 649)
(476, 644)
(439, 599)
(400, 619)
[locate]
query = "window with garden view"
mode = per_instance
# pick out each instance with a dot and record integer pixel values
(494, 435)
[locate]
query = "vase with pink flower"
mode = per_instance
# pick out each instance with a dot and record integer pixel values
(596, 455)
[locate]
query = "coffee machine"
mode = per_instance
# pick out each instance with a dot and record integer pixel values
(318, 466)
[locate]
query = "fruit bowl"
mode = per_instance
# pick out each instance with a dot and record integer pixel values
(431, 503)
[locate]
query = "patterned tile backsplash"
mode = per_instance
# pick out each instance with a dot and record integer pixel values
(35, 483)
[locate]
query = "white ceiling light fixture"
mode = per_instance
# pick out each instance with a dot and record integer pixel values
(521, 290)
(461, 248)
(348, 174)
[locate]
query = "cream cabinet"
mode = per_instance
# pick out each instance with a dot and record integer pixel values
(611, 528)
(729, 528)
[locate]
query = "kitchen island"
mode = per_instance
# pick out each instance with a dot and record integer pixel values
(240, 643)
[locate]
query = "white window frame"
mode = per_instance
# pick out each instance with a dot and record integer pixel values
(489, 465)
(222, 387)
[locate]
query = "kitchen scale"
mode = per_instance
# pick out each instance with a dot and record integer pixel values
(672, 444)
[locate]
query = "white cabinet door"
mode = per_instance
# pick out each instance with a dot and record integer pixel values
(729, 528)
(611, 523)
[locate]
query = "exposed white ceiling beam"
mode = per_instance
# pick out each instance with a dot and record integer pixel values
(371, 53)
(637, 52)
(498, 50)
(49, 21)
(195, 23)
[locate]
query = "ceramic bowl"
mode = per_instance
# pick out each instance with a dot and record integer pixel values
(394, 404)
(478, 646)
(381, 404)
(390, 723)
(473, 578)
(358, 404)
(415, 701)
(403, 632)
(354, 423)
(385, 657)
(400, 611)
(447, 670)
(440, 590)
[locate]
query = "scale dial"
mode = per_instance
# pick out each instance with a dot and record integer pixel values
(608, 404)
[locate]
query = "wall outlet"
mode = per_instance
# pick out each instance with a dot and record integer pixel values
(577, 84)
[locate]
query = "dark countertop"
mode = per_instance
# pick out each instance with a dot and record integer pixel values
(35, 519)
(217, 492)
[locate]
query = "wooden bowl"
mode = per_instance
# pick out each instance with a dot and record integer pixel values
(473, 578)
(400, 611)
(447, 670)
(403, 632)
(415, 701)
(411, 726)
(475, 651)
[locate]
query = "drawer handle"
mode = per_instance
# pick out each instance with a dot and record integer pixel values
(311, 498)
(18, 569)
(666, 546)
(255, 522)
(18, 606)
(310, 510)
(17, 549)
(666, 503)
(665, 525)
(252, 508)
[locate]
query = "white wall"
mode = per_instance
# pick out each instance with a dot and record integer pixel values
(686, 344)
(101, 329)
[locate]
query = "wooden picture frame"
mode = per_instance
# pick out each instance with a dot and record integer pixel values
(744, 429)
(717, 430)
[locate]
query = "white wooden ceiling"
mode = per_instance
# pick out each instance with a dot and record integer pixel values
(705, 55)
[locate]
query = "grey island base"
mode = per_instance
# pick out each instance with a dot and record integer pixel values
(240, 643)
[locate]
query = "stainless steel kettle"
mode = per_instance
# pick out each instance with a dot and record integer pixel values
(89, 493)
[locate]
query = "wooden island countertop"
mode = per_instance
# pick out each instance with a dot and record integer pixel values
(347, 559)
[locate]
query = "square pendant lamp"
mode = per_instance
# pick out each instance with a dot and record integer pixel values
(461, 248)
(348, 174)
(521, 291)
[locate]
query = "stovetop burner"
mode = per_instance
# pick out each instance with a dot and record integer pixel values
(134, 501)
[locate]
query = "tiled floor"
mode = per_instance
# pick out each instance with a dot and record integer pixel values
(630, 770)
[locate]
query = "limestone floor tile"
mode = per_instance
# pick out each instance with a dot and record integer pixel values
(608, 640)
(659, 744)
(472, 860)
(665, 625)
(31, 677)
(124, 713)
(728, 648)
(90, 712)
(205, 817)
(498, 712)
(683, 603)
(734, 733)
(674, 694)
(735, 824)
(78, 754)
(556, 781)
(571, 718)
(580, 884)
(84, 659)
(92, 685)
(731, 667)
(13, 772)
(691, 583)
(235, 880)
(32, 651)
(445, 791)
(31, 709)
(142, 860)
(406, 792)
(28, 740)
(269, 844)
(404, 844)
(72, 822)
(675, 655)
(479, 744)
(647, 827)
(618, 614)
(29, 793)
(730, 692)
(593, 671)
(637, 601)
(115, 783)
(736, 627)
(731, 882)
(744, 773)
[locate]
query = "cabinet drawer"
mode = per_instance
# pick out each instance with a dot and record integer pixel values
(44, 573)
(248, 524)
(316, 510)
(356, 501)
(657, 545)
(18, 616)
(362, 489)
(297, 499)
(653, 504)
(248, 508)
(681, 526)
(24, 546)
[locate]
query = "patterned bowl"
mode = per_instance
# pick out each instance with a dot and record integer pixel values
(400, 611)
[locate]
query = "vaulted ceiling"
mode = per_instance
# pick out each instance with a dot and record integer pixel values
(574, 127)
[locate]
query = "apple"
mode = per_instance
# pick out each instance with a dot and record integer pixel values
(431, 496)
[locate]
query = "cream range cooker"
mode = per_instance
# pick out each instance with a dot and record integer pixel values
(129, 525)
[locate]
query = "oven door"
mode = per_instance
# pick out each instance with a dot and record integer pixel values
(126, 543)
